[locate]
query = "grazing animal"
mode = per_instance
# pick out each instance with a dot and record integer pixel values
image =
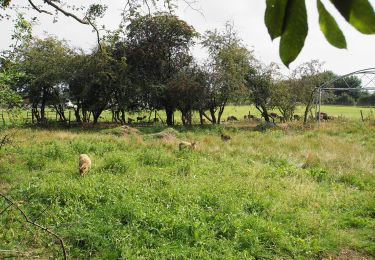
(130, 120)
(282, 119)
(297, 117)
(273, 115)
(225, 137)
(323, 116)
(232, 118)
(141, 118)
(84, 164)
(184, 145)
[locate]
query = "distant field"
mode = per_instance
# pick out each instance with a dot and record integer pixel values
(279, 194)
(351, 112)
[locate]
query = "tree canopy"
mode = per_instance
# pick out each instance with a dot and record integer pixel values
(286, 19)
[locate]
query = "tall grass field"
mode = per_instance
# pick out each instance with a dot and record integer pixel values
(284, 193)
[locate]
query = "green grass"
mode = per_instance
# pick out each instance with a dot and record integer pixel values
(277, 194)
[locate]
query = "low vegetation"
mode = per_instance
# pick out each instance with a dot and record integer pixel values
(283, 193)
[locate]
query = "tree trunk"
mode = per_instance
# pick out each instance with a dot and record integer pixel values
(113, 116)
(95, 116)
(202, 113)
(60, 111)
(85, 115)
(213, 117)
(183, 118)
(189, 117)
(35, 113)
(43, 106)
(123, 116)
(169, 113)
(221, 111)
(308, 107)
(264, 113)
(77, 114)
(42, 112)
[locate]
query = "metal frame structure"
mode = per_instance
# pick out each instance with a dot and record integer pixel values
(368, 73)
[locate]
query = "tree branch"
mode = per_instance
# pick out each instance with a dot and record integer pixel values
(38, 9)
(36, 224)
(97, 32)
(66, 13)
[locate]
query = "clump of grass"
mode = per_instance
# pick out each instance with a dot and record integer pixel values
(167, 134)
(115, 163)
(121, 131)
(312, 160)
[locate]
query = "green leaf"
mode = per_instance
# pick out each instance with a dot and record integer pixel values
(330, 28)
(358, 13)
(274, 17)
(294, 32)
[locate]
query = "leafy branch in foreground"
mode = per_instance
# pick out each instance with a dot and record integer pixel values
(287, 19)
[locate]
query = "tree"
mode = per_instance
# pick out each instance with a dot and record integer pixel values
(367, 100)
(229, 63)
(9, 59)
(157, 49)
(93, 82)
(310, 76)
(9, 98)
(43, 63)
(285, 97)
(260, 83)
(348, 82)
(345, 99)
(286, 19)
(187, 90)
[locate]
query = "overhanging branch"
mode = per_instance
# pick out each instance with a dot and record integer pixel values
(66, 13)
(38, 9)
(35, 224)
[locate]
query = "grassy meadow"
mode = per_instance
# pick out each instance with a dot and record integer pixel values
(286, 193)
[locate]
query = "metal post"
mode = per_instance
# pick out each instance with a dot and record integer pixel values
(320, 103)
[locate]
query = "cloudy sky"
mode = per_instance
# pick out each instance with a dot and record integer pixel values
(248, 19)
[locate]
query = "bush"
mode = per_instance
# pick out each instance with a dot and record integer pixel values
(345, 99)
(367, 100)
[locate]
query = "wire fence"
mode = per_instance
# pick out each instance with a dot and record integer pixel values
(26, 117)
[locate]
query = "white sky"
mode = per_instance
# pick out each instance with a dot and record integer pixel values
(248, 19)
